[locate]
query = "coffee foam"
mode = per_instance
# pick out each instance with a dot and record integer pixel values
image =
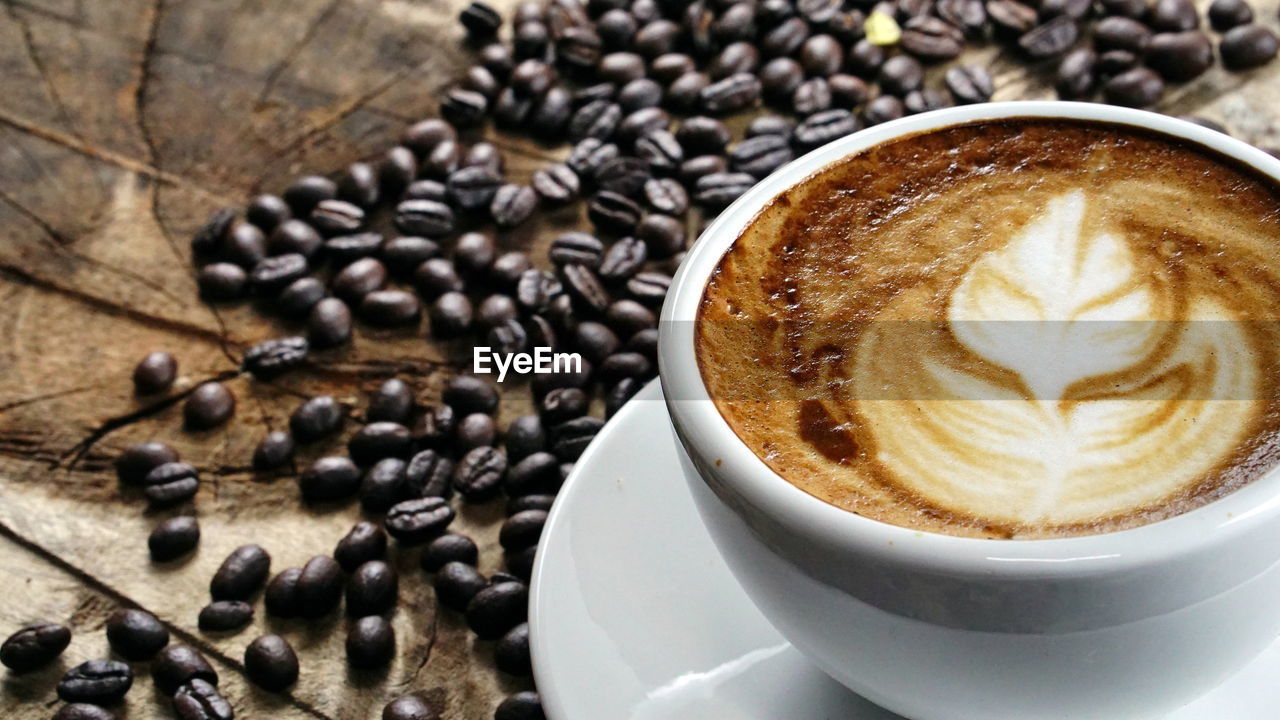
(1015, 329)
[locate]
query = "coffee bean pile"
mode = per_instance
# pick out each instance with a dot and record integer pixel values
(638, 90)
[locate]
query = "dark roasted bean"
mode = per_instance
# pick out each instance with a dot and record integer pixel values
(273, 274)
(484, 154)
(811, 96)
(616, 28)
(645, 342)
(786, 38)
(627, 317)
(661, 151)
(334, 477)
(96, 682)
(591, 93)
(530, 502)
(136, 635)
(225, 615)
(1173, 16)
(34, 646)
(649, 287)
(1011, 18)
(423, 137)
(498, 608)
(220, 282)
(642, 122)
(297, 300)
(403, 255)
(430, 474)
(270, 663)
(882, 109)
(623, 259)
(576, 247)
(900, 75)
(177, 665)
(625, 364)
(468, 394)
(620, 68)
(556, 184)
(209, 405)
(83, 711)
(513, 204)
(613, 213)
(478, 475)
(424, 217)
(200, 700)
(359, 185)
(392, 402)
(495, 310)
(693, 169)
(337, 217)
(307, 192)
(640, 93)
(475, 430)
(847, 91)
(474, 252)
(582, 283)
(579, 48)
(448, 548)
(1226, 14)
(379, 440)
(1248, 46)
(1139, 87)
(451, 315)
(656, 38)
(570, 402)
(537, 473)
(1051, 39)
(329, 323)
(390, 308)
(383, 485)
(371, 643)
(684, 94)
(532, 38)
(416, 521)
(409, 707)
(473, 187)
(436, 277)
(241, 574)
(464, 108)
(970, 83)
(522, 530)
(968, 15)
(480, 20)
(666, 195)
(595, 340)
(154, 373)
(399, 166)
(598, 119)
(173, 538)
(274, 451)
(703, 135)
(171, 483)
(441, 161)
(1076, 77)
(245, 245)
(664, 235)
(294, 236)
(864, 58)
(364, 542)
(511, 654)
(1121, 33)
(281, 595)
(373, 589)
(918, 101)
(319, 587)
(208, 239)
(757, 156)
(273, 357)
(734, 93)
(589, 155)
(525, 705)
(718, 190)
(623, 175)
(570, 438)
(932, 39)
(1179, 57)
(316, 418)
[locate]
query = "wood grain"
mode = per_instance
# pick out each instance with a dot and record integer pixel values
(122, 125)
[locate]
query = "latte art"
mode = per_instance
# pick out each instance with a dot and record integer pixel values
(1016, 329)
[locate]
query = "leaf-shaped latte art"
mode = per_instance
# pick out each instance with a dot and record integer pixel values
(1056, 307)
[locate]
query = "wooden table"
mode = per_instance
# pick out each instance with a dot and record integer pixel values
(122, 125)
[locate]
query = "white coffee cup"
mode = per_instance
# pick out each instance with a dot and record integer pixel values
(1125, 624)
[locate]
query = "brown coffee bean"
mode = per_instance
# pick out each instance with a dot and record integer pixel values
(390, 308)
(1011, 18)
(207, 240)
(931, 39)
(1226, 14)
(359, 279)
(623, 259)
(623, 175)
(83, 711)
(346, 249)
(136, 635)
(822, 128)
(270, 358)
(780, 77)
(208, 406)
(757, 156)
(900, 75)
(1051, 39)
(613, 213)
(173, 538)
(464, 108)
(359, 185)
(154, 373)
(319, 587)
(225, 616)
(739, 57)
(620, 68)
(436, 277)
(701, 134)
(684, 94)
(337, 217)
(1248, 46)
(1173, 16)
(1121, 33)
(473, 187)
(96, 682)
(171, 483)
(328, 479)
(968, 15)
(535, 289)
(364, 542)
(734, 93)
(271, 663)
(371, 643)
(273, 274)
(666, 195)
(585, 287)
(429, 218)
(294, 236)
(1139, 87)
(416, 521)
(245, 245)
(717, 190)
(1076, 75)
(1180, 57)
(556, 184)
(639, 94)
(786, 38)
(219, 282)
(274, 451)
(34, 646)
(970, 83)
(329, 323)
(649, 288)
(177, 665)
(811, 96)
(576, 247)
(598, 119)
(512, 205)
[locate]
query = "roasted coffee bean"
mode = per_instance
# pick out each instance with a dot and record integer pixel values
(567, 403)
(433, 428)
(734, 93)
(83, 711)
(638, 94)
(364, 542)
(570, 438)
(209, 405)
(1121, 33)
(475, 430)
(1180, 57)
(220, 282)
(663, 235)
(424, 217)
(359, 185)
(619, 393)
(756, 156)
(416, 521)
(273, 274)
(469, 394)
(281, 595)
(307, 192)
(154, 373)
(274, 451)
(656, 37)
(1226, 14)
(882, 109)
(409, 707)
(613, 213)
(576, 247)
(645, 342)
(1114, 62)
(666, 195)
(596, 342)
(449, 548)
(424, 136)
(589, 155)
(525, 705)
(478, 475)
(811, 96)
(200, 700)
(822, 55)
(334, 477)
(556, 184)
(136, 635)
(522, 530)
(513, 204)
(847, 91)
(96, 682)
(598, 119)
(436, 277)
(177, 665)
(244, 245)
(864, 59)
(616, 28)
(297, 300)
(584, 285)
(640, 123)
(337, 217)
(524, 437)
(660, 150)
(1173, 16)
(241, 574)
(329, 323)
(480, 20)
(530, 502)
(270, 663)
(208, 239)
(316, 419)
(464, 108)
(294, 236)
(531, 78)
(738, 57)
(486, 155)
(383, 485)
(702, 135)
(473, 188)
(591, 93)
(649, 287)
(786, 38)
(625, 364)
(1248, 46)
(346, 249)
(451, 315)
(171, 483)
(507, 268)
(511, 654)
(319, 587)
(970, 83)
(717, 190)
(495, 310)
(1076, 76)
(918, 101)
(627, 317)
(379, 440)
(968, 15)
(173, 538)
(403, 255)
(391, 402)
(271, 358)
(736, 22)
(623, 259)
(684, 94)
(430, 474)
(373, 589)
(620, 68)
(34, 646)
(399, 166)
(497, 608)
(931, 39)
(532, 40)
(579, 48)
(225, 615)
(1011, 18)
(137, 460)
(1139, 87)
(1051, 39)
(537, 473)
(359, 279)
(390, 308)
(900, 75)
(371, 643)
(441, 161)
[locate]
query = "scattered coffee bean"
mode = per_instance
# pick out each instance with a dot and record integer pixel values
(330, 478)
(511, 654)
(1051, 39)
(271, 358)
(1180, 57)
(171, 483)
(480, 20)
(383, 485)
(431, 218)
(448, 548)
(177, 665)
(456, 583)
(294, 237)
(244, 245)
(200, 700)
(316, 419)
(556, 184)
(270, 663)
(417, 521)
(882, 109)
(34, 646)
(379, 440)
(154, 373)
(221, 281)
(373, 589)
(1248, 46)
(371, 643)
(734, 93)
(173, 538)
(524, 705)
(717, 190)
(570, 438)
(436, 277)
(404, 254)
(337, 217)
(363, 543)
(137, 460)
(1226, 14)
(409, 707)
(478, 475)
(208, 239)
(513, 204)
(497, 608)
(225, 615)
(209, 405)
(468, 394)
(390, 308)
(319, 587)
(241, 574)
(1139, 87)
(96, 682)
(83, 711)
(522, 530)
(281, 596)
(970, 83)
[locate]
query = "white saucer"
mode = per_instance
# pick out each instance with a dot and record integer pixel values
(634, 616)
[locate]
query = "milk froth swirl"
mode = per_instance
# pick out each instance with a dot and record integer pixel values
(1055, 329)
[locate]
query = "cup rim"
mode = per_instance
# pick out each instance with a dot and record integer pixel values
(705, 433)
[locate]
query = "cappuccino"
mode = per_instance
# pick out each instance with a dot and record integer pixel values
(1023, 328)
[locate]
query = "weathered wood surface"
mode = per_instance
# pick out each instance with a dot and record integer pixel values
(122, 124)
